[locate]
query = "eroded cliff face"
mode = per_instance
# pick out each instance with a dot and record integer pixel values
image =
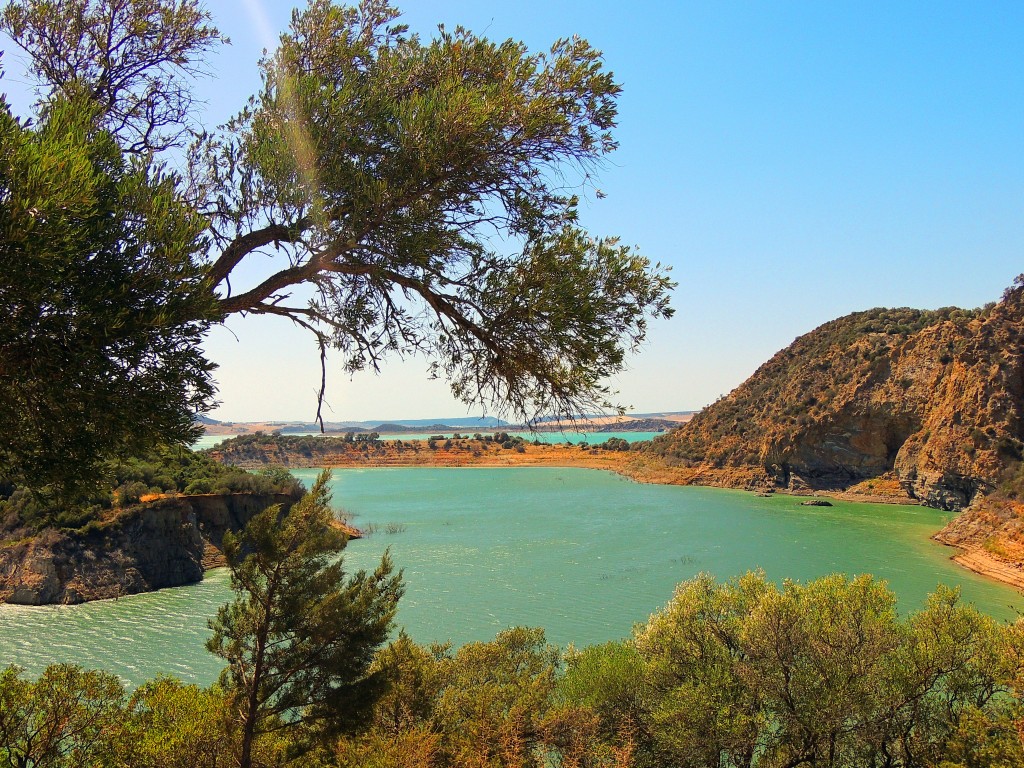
(934, 398)
(164, 543)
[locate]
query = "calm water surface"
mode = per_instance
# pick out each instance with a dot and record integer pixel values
(583, 553)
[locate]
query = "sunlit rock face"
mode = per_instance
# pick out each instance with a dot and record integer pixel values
(163, 543)
(932, 398)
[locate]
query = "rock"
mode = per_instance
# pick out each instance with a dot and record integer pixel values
(150, 546)
(934, 398)
(816, 503)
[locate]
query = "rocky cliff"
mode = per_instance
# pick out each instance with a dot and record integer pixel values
(932, 399)
(164, 543)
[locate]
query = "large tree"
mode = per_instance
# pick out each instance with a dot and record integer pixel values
(411, 196)
(103, 299)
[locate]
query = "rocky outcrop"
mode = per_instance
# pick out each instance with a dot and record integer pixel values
(163, 543)
(934, 398)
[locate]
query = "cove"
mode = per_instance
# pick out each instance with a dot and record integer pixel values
(583, 553)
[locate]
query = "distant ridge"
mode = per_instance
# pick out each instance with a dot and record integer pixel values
(653, 422)
(464, 421)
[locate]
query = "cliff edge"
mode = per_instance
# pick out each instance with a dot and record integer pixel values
(162, 543)
(931, 398)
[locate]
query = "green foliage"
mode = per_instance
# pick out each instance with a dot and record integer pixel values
(173, 725)
(746, 674)
(496, 697)
(66, 719)
(300, 636)
(372, 161)
(133, 59)
(608, 680)
(614, 444)
(389, 162)
(163, 470)
(104, 304)
(488, 704)
(737, 675)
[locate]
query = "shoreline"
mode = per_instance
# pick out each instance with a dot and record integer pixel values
(980, 562)
(626, 464)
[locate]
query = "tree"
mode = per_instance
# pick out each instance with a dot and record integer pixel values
(491, 710)
(173, 725)
(103, 299)
(413, 196)
(67, 718)
(821, 674)
(299, 637)
(488, 704)
(132, 58)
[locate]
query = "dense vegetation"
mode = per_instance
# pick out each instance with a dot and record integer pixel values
(104, 304)
(738, 675)
(314, 450)
(162, 471)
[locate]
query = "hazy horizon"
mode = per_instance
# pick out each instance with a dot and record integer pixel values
(447, 420)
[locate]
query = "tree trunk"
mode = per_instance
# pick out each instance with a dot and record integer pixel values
(252, 705)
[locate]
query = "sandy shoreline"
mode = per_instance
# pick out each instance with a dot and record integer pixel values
(984, 564)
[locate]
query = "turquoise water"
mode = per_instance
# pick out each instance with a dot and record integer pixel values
(209, 441)
(583, 553)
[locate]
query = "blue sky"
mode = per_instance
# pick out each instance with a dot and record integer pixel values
(793, 162)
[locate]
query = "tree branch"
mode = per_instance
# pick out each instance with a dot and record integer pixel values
(245, 244)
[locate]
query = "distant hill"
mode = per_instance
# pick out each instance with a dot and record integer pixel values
(463, 421)
(634, 422)
(933, 399)
(487, 422)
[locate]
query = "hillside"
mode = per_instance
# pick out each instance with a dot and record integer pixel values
(934, 397)
(498, 450)
(925, 404)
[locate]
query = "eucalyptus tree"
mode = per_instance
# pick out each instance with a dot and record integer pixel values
(410, 195)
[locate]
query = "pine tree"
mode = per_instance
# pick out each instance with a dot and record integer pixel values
(300, 635)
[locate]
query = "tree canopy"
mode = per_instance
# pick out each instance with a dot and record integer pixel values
(104, 302)
(411, 196)
(745, 674)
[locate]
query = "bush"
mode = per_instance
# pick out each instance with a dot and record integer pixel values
(131, 492)
(166, 470)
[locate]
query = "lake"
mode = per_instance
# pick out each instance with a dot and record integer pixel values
(583, 553)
